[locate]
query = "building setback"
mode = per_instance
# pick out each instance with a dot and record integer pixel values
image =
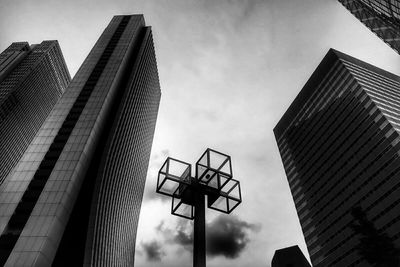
(32, 79)
(74, 198)
(339, 143)
(289, 257)
(381, 16)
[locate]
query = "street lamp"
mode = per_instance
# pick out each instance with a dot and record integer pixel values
(213, 179)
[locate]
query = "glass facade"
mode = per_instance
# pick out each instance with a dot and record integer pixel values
(339, 143)
(380, 16)
(78, 188)
(32, 79)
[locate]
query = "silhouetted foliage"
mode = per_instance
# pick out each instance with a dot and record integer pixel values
(375, 247)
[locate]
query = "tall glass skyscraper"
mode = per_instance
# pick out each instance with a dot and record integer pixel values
(32, 79)
(339, 143)
(74, 198)
(380, 16)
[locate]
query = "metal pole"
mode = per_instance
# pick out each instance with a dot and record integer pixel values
(199, 246)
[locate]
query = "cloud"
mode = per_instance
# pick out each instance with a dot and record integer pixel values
(184, 235)
(181, 235)
(152, 250)
(228, 236)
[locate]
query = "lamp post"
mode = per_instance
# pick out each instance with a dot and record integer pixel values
(213, 178)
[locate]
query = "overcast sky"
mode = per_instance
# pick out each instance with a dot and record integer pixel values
(228, 70)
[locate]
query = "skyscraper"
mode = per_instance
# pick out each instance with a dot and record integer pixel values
(289, 257)
(381, 16)
(339, 143)
(74, 198)
(32, 79)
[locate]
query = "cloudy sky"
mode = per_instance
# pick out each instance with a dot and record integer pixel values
(228, 71)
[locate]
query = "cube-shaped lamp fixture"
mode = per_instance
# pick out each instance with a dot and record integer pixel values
(173, 176)
(183, 202)
(228, 198)
(213, 179)
(214, 169)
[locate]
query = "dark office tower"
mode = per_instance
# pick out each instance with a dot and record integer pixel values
(289, 257)
(74, 198)
(32, 79)
(339, 143)
(380, 16)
